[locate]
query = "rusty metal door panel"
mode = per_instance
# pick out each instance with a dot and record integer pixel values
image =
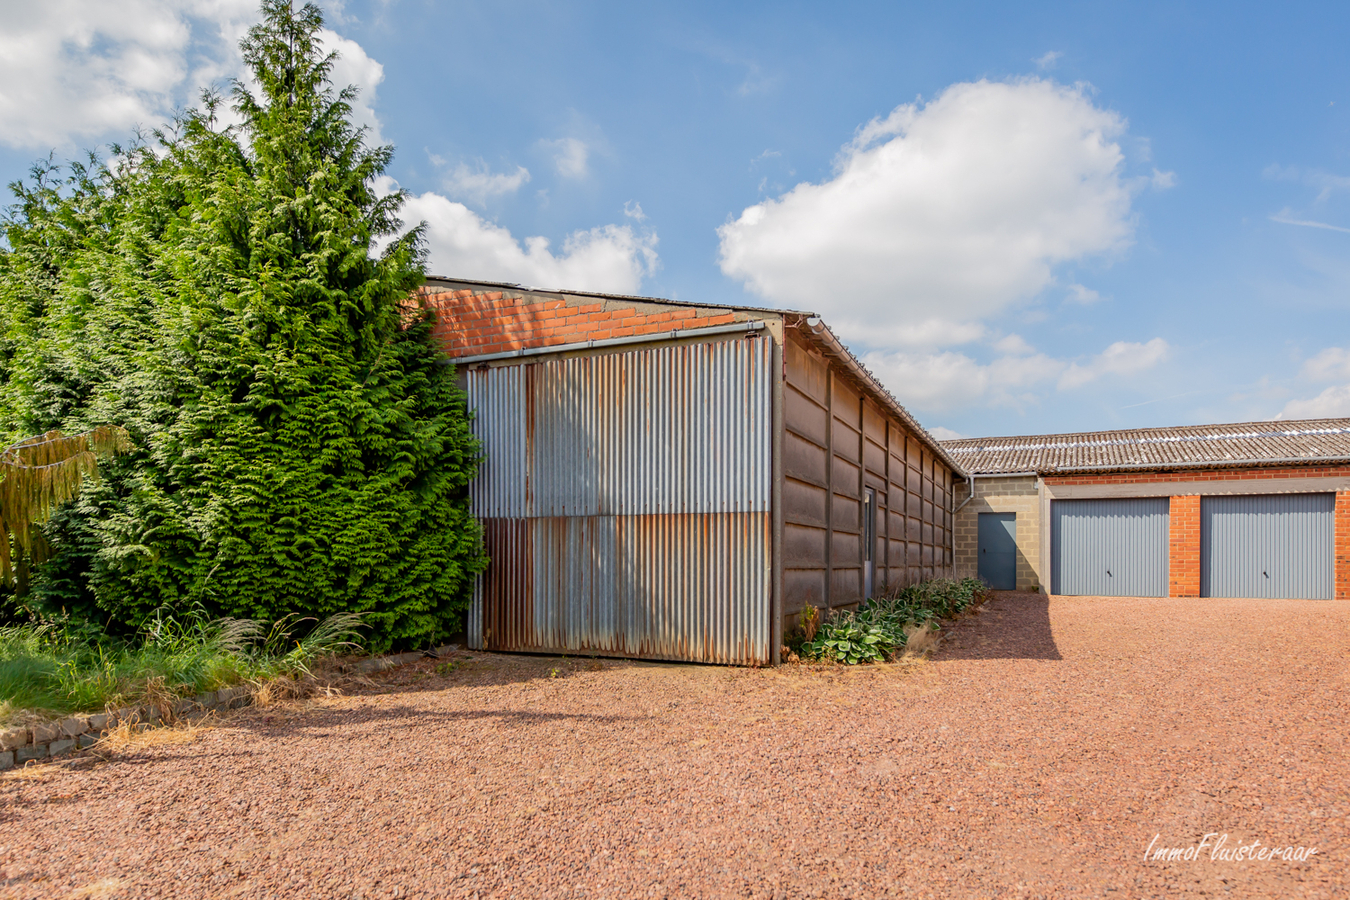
(683, 429)
(690, 587)
(626, 499)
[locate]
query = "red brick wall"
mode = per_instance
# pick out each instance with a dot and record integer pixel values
(1202, 475)
(478, 322)
(1342, 563)
(1183, 552)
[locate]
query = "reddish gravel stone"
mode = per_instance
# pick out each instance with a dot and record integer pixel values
(1037, 755)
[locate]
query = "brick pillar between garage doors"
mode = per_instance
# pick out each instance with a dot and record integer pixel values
(1342, 563)
(1183, 551)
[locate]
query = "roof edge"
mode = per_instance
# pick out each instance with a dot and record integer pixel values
(446, 279)
(1259, 463)
(1271, 426)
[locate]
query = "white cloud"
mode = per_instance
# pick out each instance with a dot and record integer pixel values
(1162, 181)
(75, 71)
(78, 69)
(1286, 218)
(479, 184)
(945, 434)
(1325, 182)
(1121, 358)
(952, 210)
(1048, 60)
(931, 332)
(570, 157)
(1334, 402)
(1084, 295)
(355, 67)
(1331, 364)
(633, 210)
(1013, 345)
(948, 380)
(1020, 376)
(610, 259)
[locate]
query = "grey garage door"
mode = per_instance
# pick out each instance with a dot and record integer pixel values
(1109, 548)
(1267, 545)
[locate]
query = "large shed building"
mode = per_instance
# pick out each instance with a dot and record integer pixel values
(1253, 509)
(673, 480)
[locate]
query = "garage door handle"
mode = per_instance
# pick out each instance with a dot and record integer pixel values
(1108, 574)
(1263, 573)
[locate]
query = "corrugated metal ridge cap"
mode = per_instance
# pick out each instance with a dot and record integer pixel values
(602, 296)
(1166, 435)
(1258, 463)
(824, 338)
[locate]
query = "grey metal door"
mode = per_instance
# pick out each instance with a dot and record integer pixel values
(1267, 545)
(1109, 548)
(998, 550)
(869, 538)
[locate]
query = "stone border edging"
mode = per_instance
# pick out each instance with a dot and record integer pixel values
(47, 739)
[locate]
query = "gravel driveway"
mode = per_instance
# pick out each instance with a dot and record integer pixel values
(1037, 755)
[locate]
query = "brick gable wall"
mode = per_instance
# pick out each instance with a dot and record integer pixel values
(470, 323)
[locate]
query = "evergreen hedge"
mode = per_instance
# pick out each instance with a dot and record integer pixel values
(299, 445)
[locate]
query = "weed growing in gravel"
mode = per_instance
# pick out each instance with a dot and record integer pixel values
(50, 671)
(883, 626)
(450, 666)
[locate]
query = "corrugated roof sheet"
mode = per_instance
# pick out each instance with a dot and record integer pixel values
(1296, 442)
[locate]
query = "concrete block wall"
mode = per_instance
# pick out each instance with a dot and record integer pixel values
(1019, 495)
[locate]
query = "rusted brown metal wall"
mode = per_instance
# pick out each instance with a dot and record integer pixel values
(837, 443)
(626, 503)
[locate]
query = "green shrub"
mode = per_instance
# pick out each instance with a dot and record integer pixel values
(876, 630)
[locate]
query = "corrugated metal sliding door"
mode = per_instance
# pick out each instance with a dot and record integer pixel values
(1268, 546)
(1109, 548)
(625, 502)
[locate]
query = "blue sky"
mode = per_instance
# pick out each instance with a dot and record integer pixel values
(1083, 216)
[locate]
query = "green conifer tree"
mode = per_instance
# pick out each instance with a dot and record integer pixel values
(299, 445)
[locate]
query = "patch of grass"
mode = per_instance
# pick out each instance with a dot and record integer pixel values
(885, 626)
(46, 671)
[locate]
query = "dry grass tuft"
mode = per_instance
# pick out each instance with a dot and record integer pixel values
(324, 680)
(132, 736)
(34, 771)
(156, 695)
(104, 887)
(919, 640)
